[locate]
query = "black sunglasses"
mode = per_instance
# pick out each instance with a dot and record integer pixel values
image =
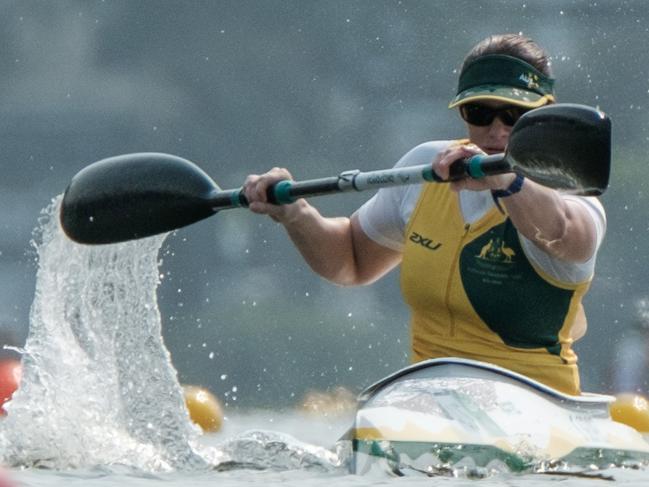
(482, 115)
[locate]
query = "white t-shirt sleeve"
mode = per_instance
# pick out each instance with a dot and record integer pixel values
(383, 217)
(571, 272)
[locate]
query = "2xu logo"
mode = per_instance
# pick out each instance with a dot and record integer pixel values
(423, 241)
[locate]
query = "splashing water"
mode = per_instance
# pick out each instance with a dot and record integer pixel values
(98, 386)
(96, 375)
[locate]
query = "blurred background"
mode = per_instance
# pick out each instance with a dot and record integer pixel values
(239, 86)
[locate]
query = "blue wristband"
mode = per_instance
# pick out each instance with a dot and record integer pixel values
(513, 188)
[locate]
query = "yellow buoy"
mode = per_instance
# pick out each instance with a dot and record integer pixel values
(204, 409)
(337, 402)
(632, 410)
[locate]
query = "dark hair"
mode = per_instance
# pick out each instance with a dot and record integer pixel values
(514, 45)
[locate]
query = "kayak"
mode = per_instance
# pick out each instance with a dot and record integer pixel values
(451, 412)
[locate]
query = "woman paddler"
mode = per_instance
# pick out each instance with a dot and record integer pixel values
(493, 269)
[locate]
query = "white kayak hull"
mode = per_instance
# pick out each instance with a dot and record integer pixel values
(445, 412)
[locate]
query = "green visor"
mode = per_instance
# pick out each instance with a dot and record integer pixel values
(503, 78)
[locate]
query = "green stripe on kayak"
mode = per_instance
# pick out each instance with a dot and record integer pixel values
(396, 452)
(447, 453)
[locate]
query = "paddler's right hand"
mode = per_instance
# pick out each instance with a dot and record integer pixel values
(255, 187)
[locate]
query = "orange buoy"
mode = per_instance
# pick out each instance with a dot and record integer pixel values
(10, 373)
(632, 410)
(203, 407)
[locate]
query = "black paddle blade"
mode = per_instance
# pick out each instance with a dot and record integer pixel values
(133, 196)
(563, 146)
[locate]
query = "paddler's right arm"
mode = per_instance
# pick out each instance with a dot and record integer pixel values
(335, 248)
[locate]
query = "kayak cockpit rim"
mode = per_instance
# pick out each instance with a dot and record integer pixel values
(585, 398)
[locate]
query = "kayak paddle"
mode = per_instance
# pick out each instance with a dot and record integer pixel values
(562, 146)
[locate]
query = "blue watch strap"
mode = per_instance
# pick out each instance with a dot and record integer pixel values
(515, 187)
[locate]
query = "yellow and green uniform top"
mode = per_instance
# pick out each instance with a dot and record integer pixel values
(474, 293)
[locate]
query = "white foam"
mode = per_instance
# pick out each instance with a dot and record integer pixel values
(98, 386)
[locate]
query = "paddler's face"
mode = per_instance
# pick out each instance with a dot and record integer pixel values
(491, 138)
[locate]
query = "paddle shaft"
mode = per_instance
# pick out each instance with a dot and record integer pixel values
(285, 192)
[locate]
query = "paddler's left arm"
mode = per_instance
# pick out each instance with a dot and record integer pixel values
(562, 227)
